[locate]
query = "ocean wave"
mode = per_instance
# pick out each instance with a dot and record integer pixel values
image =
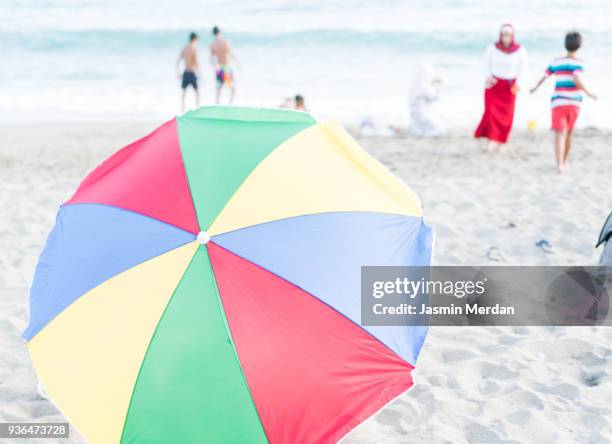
(405, 41)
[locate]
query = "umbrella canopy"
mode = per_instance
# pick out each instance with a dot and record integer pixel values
(203, 285)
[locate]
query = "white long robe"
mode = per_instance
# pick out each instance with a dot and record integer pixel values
(425, 91)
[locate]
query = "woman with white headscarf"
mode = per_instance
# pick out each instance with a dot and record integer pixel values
(505, 67)
(424, 92)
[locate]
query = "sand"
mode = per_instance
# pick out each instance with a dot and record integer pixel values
(475, 385)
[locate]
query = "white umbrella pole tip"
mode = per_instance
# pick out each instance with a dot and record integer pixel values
(203, 237)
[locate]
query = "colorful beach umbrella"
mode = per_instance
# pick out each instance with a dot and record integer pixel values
(203, 285)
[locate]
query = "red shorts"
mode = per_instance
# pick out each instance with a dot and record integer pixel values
(564, 117)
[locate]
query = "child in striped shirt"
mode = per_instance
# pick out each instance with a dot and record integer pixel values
(567, 97)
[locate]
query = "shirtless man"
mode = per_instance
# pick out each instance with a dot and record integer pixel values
(189, 57)
(220, 55)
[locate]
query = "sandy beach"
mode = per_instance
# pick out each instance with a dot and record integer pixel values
(474, 385)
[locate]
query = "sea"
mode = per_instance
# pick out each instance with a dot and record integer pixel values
(92, 60)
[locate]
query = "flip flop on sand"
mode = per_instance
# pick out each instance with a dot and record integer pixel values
(493, 254)
(545, 246)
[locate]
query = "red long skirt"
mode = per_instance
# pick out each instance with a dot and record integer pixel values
(496, 121)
